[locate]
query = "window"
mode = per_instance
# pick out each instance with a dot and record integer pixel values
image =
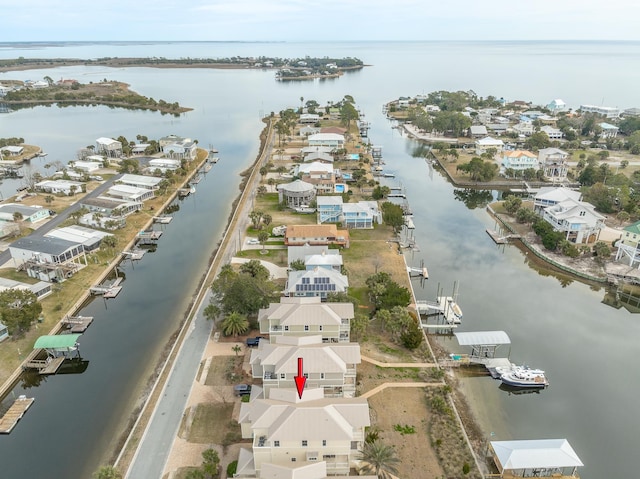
(293, 459)
(321, 375)
(283, 376)
(306, 375)
(306, 327)
(320, 328)
(304, 443)
(276, 443)
(286, 328)
(324, 442)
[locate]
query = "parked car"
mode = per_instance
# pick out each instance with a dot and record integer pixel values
(242, 389)
(253, 241)
(251, 342)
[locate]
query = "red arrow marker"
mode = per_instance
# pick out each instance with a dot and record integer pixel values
(300, 379)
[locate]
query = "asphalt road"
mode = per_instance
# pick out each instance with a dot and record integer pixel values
(153, 451)
(63, 215)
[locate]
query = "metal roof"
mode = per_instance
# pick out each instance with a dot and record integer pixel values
(59, 341)
(44, 244)
(482, 337)
(535, 454)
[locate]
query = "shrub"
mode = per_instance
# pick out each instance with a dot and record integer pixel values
(232, 468)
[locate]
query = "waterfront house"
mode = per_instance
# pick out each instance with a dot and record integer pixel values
(309, 118)
(334, 113)
(628, 244)
(300, 253)
(110, 207)
(333, 140)
(308, 130)
(315, 149)
(552, 195)
(552, 133)
(328, 366)
(89, 238)
(321, 157)
(29, 214)
(140, 181)
(163, 164)
(486, 143)
(11, 150)
(297, 235)
(606, 111)
(183, 149)
(140, 148)
(290, 316)
(553, 163)
(329, 259)
(296, 193)
(130, 193)
(577, 219)
(286, 430)
(535, 458)
(318, 282)
(361, 215)
(321, 175)
(519, 160)
(46, 258)
(108, 147)
(478, 131)
(60, 187)
(608, 130)
(86, 166)
(329, 208)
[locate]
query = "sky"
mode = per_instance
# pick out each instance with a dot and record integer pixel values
(318, 20)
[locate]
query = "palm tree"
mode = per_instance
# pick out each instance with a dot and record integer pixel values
(235, 324)
(380, 459)
(263, 236)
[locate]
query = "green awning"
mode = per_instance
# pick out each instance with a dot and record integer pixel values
(59, 341)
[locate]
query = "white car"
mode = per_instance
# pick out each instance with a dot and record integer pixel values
(252, 241)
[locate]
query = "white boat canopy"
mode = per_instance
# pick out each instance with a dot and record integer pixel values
(535, 454)
(494, 338)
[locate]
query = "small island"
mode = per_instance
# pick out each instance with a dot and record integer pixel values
(17, 94)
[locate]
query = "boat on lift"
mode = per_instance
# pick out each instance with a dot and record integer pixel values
(524, 377)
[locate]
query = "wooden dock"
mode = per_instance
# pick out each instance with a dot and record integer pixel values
(162, 219)
(108, 291)
(45, 366)
(501, 239)
(77, 324)
(148, 237)
(14, 414)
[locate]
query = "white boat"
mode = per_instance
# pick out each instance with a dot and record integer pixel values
(450, 309)
(524, 377)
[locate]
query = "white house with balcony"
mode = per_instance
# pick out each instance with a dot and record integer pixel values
(629, 244)
(183, 149)
(332, 140)
(286, 430)
(524, 128)
(328, 366)
(608, 130)
(519, 160)
(553, 162)
(577, 219)
(317, 282)
(552, 195)
(606, 111)
(290, 316)
(108, 147)
(485, 144)
(552, 133)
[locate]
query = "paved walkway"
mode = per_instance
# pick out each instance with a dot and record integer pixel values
(384, 386)
(398, 365)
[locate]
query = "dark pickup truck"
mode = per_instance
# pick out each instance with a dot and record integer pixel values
(252, 342)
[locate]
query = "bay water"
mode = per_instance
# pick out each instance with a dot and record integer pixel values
(554, 323)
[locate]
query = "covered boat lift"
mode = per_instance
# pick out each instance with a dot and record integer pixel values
(58, 348)
(550, 458)
(484, 345)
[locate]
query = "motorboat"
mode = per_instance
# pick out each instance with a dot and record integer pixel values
(524, 377)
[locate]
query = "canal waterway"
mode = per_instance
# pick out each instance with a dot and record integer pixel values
(555, 324)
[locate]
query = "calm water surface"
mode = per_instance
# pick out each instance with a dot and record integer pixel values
(563, 328)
